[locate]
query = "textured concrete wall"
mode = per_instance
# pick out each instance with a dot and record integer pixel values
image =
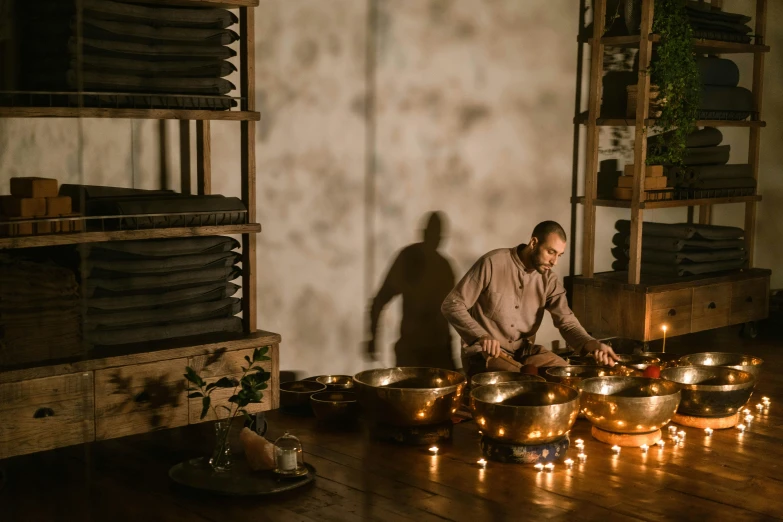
(471, 116)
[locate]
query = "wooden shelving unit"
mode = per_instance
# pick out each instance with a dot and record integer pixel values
(93, 408)
(614, 297)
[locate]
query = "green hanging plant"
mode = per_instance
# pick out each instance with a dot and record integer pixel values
(676, 75)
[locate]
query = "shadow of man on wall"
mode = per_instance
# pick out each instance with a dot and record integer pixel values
(423, 277)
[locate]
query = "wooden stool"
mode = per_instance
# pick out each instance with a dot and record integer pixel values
(716, 423)
(626, 440)
(522, 453)
(413, 435)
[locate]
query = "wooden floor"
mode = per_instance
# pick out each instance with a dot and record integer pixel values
(728, 477)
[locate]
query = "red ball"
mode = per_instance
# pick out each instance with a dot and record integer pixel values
(652, 372)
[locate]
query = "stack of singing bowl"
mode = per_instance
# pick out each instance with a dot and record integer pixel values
(408, 404)
(712, 396)
(524, 421)
(628, 411)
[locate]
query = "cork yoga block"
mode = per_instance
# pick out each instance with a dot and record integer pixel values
(34, 187)
(626, 440)
(58, 206)
(650, 171)
(24, 207)
(650, 183)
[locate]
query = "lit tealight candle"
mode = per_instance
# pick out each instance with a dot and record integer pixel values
(708, 432)
(748, 418)
(569, 463)
(681, 434)
(741, 428)
(675, 439)
(579, 443)
(616, 449)
(482, 463)
(661, 443)
(759, 406)
(549, 467)
(672, 430)
(746, 411)
(539, 467)
(765, 400)
(644, 448)
(582, 457)
(434, 450)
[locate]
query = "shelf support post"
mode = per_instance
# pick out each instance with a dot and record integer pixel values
(755, 132)
(248, 160)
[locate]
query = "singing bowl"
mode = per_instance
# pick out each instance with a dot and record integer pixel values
(666, 359)
(482, 379)
(637, 362)
(629, 404)
(738, 361)
(335, 406)
(336, 382)
(525, 412)
(409, 396)
(711, 391)
(296, 394)
(570, 375)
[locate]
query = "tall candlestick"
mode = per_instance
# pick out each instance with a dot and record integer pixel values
(663, 350)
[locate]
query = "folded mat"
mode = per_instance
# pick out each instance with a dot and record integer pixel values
(150, 51)
(662, 257)
(154, 15)
(80, 193)
(705, 137)
(732, 102)
(170, 314)
(706, 24)
(683, 230)
(700, 9)
(683, 269)
(160, 248)
(185, 296)
(717, 71)
(198, 210)
(92, 267)
(208, 68)
(105, 82)
(724, 36)
(695, 173)
(170, 331)
(96, 287)
(679, 245)
(698, 155)
(144, 33)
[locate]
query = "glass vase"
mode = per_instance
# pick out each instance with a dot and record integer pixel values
(221, 454)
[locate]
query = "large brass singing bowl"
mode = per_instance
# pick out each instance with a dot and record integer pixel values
(570, 375)
(482, 379)
(711, 391)
(409, 396)
(622, 404)
(738, 361)
(525, 412)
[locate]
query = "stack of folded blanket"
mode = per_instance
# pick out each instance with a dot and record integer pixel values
(712, 24)
(139, 291)
(40, 311)
(681, 249)
(118, 47)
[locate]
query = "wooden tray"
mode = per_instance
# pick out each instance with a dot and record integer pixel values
(239, 481)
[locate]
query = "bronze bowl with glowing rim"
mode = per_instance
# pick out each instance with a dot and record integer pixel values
(738, 361)
(296, 394)
(336, 382)
(633, 365)
(633, 405)
(335, 406)
(711, 391)
(570, 375)
(485, 378)
(409, 396)
(525, 412)
(665, 359)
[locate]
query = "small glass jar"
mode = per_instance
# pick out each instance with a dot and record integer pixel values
(289, 457)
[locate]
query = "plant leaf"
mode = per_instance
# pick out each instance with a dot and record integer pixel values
(195, 395)
(226, 382)
(193, 377)
(205, 402)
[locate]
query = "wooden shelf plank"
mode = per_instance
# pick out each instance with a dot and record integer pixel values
(630, 122)
(671, 203)
(144, 353)
(125, 235)
(225, 4)
(149, 114)
(699, 44)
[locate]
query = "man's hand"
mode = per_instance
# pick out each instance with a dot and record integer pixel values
(603, 353)
(491, 347)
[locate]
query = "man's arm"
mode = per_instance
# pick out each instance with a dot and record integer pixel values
(462, 298)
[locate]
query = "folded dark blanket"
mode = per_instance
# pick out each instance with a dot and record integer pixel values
(706, 137)
(705, 11)
(80, 193)
(154, 333)
(161, 52)
(143, 33)
(717, 71)
(196, 211)
(682, 230)
(685, 176)
(208, 68)
(707, 155)
(91, 267)
(158, 16)
(683, 269)
(191, 295)
(167, 315)
(674, 258)
(723, 36)
(152, 284)
(718, 98)
(105, 82)
(678, 245)
(717, 25)
(160, 248)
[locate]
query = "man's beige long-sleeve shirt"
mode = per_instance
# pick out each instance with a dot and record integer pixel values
(499, 299)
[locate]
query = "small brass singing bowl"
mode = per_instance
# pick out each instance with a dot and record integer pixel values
(570, 375)
(738, 361)
(525, 412)
(622, 404)
(335, 406)
(637, 362)
(711, 391)
(296, 394)
(336, 382)
(482, 379)
(666, 359)
(409, 396)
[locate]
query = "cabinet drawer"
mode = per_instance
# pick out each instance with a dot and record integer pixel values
(711, 306)
(43, 414)
(229, 364)
(672, 309)
(140, 398)
(749, 300)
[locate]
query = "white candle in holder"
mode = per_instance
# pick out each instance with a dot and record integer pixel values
(708, 431)
(741, 428)
(661, 443)
(434, 450)
(672, 430)
(644, 448)
(539, 467)
(482, 463)
(549, 467)
(569, 463)
(616, 449)
(681, 434)
(582, 457)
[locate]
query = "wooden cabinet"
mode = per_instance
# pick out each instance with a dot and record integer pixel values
(607, 306)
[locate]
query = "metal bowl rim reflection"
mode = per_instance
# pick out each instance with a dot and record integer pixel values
(711, 387)
(335, 380)
(518, 377)
(461, 382)
(518, 384)
(672, 389)
(321, 389)
(754, 358)
(348, 400)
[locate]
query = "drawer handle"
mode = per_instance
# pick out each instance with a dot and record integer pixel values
(711, 306)
(40, 413)
(672, 312)
(749, 299)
